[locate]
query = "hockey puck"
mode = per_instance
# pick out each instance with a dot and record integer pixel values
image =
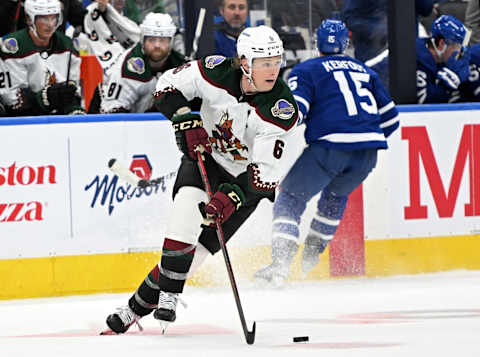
(300, 339)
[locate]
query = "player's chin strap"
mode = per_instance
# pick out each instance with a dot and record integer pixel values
(249, 78)
(34, 30)
(437, 51)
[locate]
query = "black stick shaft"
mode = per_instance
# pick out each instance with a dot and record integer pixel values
(249, 335)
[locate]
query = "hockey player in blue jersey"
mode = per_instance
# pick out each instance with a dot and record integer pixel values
(348, 115)
(442, 61)
(470, 89)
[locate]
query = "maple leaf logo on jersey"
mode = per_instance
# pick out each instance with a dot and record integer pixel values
(10, 45)
(223, 139)
(283, 109)
(136, 65)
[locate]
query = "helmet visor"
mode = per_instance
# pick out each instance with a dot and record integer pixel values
(269, 62)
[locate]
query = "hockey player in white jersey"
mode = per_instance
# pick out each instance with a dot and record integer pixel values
(348, 115)
(245, 126)
(38, 60)
(133, 78)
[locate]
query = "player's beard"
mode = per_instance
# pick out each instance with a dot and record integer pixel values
(158, 55)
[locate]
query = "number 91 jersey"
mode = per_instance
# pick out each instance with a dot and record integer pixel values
(343, 103)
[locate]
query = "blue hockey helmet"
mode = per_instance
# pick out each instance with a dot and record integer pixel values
(449, 28)
(332, 36)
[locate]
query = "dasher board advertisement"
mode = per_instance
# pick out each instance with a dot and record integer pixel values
(58, 197)
(428, 183)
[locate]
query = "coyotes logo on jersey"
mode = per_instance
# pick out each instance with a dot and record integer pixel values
(50, 78)
(223, 139)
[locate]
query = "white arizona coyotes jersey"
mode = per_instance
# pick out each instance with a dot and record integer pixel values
(246, 133)
(131, 82)
(27, 66)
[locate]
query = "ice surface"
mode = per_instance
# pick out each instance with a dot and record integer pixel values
(418, 315)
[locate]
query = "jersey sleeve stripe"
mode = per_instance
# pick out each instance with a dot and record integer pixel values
(389, 122)
(386, 108)
(303, 101)
(377, 59)
(353, 137)
(300, 117)
(327, 221)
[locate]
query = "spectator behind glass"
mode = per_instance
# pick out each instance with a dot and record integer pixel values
(234, 13)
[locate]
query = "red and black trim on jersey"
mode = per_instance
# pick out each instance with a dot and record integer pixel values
(223, 76)
(20, 45)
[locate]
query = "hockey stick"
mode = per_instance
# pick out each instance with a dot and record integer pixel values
(76, 33)
(249, 335)
(466, 40)
(198, 32)
(128, 176)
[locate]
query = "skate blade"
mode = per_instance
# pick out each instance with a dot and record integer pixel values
(273, 283)
(164, 326)
(108, 332)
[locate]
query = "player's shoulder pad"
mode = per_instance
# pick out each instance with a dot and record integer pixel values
(17, 44)
(278, 106)
(215, 68)
(219, 72)
(134, 65)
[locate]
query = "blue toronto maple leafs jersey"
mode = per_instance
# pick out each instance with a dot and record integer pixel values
(470, 90)
(343, 103)
(429, 87)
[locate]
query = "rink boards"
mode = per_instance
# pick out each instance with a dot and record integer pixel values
(69, 226)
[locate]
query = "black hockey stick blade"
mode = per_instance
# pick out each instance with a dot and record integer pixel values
(250, 335)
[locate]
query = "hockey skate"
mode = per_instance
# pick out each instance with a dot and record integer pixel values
(121, 320)
(166, 310)
(275, 274)
(314, 246)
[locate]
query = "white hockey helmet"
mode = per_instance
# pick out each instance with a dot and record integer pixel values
(157, 25)
(35, 8)
(258, 42)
